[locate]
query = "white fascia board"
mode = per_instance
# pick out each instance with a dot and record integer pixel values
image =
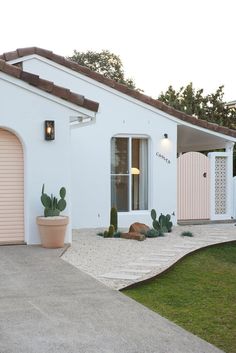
(189, 148)
(120, 94)
(23, 58)
(17, 82)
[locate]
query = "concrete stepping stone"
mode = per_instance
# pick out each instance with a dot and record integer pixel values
(134, 271)
(218, 238)
(153, 259)
(163, 255)
(120, 275)
(216, 234)
(146, 264)
(184, 246)
(198, 243)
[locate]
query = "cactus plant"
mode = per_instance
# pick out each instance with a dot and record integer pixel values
(155, 223)
(113, 218)
(111, 230)
(53, 207)
(106, 234)
(163, 224)
(169, 224)
(152, 233)
(153, 214)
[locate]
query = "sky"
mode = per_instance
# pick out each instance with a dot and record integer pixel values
(160, 42)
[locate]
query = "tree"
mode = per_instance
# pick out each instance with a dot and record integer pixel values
(210, 107)
(105, 63)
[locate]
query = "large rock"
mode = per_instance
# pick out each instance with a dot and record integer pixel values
(133, 235)
(138, 228)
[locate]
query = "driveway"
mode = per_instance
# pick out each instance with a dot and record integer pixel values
(47, 305)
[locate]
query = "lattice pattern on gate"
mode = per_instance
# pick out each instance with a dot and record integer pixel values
(220, 185)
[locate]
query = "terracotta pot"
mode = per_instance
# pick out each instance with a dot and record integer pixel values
(52, 231)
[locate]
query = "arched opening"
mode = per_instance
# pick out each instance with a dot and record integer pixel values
(193, 192)
(11, 188)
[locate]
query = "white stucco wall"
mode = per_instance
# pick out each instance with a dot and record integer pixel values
(23, 112)
(117, 114)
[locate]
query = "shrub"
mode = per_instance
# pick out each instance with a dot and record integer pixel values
(187, 234)
(154, 233)
(117, 235)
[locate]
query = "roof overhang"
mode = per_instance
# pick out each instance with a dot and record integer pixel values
(189, 138)
(75, 109)
(181, 118)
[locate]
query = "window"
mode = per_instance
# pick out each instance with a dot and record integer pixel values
(129, 173)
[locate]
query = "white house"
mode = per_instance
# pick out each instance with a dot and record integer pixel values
(113, 146)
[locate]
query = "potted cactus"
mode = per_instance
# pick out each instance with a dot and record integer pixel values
(52, 226)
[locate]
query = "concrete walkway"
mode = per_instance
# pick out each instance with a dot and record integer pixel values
(47, 306)
(119, 263)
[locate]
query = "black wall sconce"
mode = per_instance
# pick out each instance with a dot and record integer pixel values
(49, 130)
(166, 136)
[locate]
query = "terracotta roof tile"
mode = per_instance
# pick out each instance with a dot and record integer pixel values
(117, 86)
(32, 79)
(10, 69)
(47, 86)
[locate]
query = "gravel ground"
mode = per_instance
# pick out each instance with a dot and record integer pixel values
(100, 256)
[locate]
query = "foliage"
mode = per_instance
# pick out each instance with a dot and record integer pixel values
(53, 207)
(198, 294)
(106, 234)
(114, 218)
(117, 235)
(187, 234)
(111, 230)
(210, 107)
(163, 224)
(153, 233)
(105, 63)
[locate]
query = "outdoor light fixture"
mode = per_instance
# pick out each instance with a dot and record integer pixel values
(49, 130)
(166, 136)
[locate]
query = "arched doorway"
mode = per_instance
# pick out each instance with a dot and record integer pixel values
(193, 191)
(11, 188)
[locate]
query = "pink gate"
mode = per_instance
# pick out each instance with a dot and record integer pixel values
(193, 190)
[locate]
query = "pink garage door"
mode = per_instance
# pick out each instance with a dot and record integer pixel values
(193, 190)
(11, 188)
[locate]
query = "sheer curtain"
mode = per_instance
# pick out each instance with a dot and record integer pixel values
(143, 177)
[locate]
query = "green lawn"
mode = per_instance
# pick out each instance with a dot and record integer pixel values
(198, 294)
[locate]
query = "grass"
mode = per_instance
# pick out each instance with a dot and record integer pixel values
(198, 294)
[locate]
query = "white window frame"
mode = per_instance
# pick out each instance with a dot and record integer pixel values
(130, 137)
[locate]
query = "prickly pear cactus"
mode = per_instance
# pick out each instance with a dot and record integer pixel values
(153, 214)
(169, 224)
(163, 224)
(155, 223)
(53, 207)
(51, 213)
